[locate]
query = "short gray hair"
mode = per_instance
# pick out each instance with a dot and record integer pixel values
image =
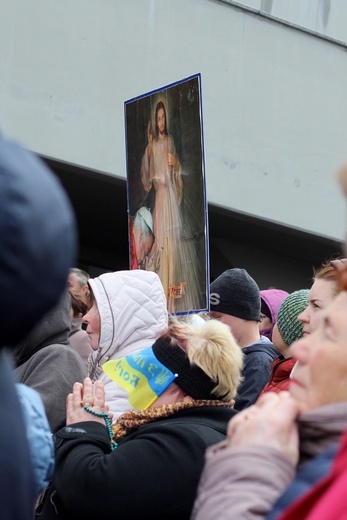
(82, 276)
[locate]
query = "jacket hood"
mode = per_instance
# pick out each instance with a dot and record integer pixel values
(52, 329)
(133, 313)
(37, 241)
(272, 298)
(263, 344)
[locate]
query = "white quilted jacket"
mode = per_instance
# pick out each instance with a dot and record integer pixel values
(133, 315)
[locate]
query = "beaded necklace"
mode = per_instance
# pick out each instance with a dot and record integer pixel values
(107, 420)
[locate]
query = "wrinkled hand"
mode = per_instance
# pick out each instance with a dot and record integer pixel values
(270, 422)
(94, 397)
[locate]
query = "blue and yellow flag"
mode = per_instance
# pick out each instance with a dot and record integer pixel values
(141, 375)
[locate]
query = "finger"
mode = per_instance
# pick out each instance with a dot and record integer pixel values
(69, 407)
(267, 399)
(99, 399)
(279, 406)
(88, 397)
(288, 409)
(280, 411)
(238, 419)
(76, 395)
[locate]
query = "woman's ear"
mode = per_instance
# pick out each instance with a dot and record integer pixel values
(176, 391)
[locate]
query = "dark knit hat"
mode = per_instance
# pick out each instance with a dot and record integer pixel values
(288, 325)
(235, 292)
(190, 378)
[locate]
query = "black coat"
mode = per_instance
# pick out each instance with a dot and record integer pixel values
(258, 358)
(153, 474)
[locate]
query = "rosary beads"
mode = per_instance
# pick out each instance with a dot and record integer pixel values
(107, 420)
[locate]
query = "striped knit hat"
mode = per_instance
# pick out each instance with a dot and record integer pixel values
(287, 317)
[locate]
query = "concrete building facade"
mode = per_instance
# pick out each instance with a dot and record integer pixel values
(273, 80)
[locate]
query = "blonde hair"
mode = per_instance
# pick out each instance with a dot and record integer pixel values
(213, 348)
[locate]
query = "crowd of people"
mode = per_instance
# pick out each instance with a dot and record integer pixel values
(238, 413)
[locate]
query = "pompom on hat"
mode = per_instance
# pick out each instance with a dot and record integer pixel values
(235, 292)
(288, 325)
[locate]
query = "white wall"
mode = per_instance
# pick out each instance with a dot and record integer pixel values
(327, 17)
(275, 115)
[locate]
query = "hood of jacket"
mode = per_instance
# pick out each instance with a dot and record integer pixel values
(272, 299)
(263, 346)
(52, 329)
(133, 312)
(37, 241)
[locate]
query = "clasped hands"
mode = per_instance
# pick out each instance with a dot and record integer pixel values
(91, 395)
(270, 422)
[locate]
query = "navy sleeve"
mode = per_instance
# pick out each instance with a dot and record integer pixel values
(256, 375)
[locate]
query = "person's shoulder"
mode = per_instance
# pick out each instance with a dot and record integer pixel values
(258, 358)
(196, 418)
(206, 413)
(53, 350)
(262, 348)
(63, 354)
(180, 432)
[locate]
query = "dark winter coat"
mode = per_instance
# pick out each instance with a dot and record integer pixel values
(153, 474)
(256, 371)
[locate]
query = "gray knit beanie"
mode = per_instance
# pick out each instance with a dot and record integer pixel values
(288, 325)
(235, 292)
